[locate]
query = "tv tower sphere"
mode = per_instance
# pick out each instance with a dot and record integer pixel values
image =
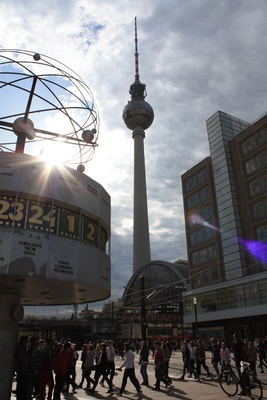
(138, 112)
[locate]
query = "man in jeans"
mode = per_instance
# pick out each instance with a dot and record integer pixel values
(143, 362)
(110, 363)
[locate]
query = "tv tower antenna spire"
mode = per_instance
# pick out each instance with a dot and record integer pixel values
(137, 76)
(138, 115)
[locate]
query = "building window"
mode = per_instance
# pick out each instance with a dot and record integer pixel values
(223, 299)
(205, 193)
(262, 233)
(201, 235)
(214, 274)
(210, 233)
(208, 212)
(258, 210)
(262, 160)
(203, 176)
(196, 280)
(247, 147)
(237, 297)
(250, 166)
(203, 255)
(193, 239)
(258, 139)
(195, 259)
(212, 252)
(190, 202)
(197, 198)
(211, 302)
(254, 187)
(196, 180)
(264, 182)
(188, 185)
(192, 220)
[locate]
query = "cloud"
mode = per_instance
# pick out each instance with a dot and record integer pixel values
(195, 58)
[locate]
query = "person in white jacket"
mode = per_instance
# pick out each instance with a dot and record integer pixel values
(129, 371)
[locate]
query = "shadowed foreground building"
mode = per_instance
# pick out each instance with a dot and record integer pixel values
(225, 208)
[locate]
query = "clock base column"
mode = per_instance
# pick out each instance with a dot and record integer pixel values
(9, 329)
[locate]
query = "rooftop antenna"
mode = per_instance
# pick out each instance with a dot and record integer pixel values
(137, 76)
(137, 89)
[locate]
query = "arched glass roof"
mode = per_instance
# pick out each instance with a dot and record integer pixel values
(163, 282)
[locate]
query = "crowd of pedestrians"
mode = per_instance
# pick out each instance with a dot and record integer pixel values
(222, 353)
(40, 367)
(49, 369)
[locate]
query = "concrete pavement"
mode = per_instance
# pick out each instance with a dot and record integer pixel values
(205, 389)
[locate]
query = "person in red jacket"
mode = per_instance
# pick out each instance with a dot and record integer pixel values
(60, 365)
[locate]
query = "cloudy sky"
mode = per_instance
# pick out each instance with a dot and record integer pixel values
(195, 56)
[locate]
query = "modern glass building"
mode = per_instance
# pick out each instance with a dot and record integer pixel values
(225, 211)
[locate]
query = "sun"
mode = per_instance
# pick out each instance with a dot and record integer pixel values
(53, 155)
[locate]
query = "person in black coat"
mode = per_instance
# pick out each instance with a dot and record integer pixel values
(101, 369)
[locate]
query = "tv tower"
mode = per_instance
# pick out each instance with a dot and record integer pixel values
(138, 115)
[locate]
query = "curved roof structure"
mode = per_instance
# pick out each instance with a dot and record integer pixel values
(164, 283)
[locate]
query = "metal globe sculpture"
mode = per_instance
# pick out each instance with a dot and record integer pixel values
(54, 220)
(46, 104)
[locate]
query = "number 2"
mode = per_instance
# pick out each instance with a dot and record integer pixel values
(90, 235)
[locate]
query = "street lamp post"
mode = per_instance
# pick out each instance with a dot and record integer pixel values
(143, 307)
(181, 311)
(196, 322)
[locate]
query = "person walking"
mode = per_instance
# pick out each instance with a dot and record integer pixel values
(111, 361)
(22, 368)
(225, 356)
(251, 356)
(129, 371)
(160, 372)
(101, 369)
(46, 373)
(166, 356)
(34, 365)
(186, 359)
(60, 365)
(262, 354)
(201, 358)
(215, 355)
(143, 362)
(237, 349)
(89, 364)
(71, 369)
(83, 359)
(193, 360)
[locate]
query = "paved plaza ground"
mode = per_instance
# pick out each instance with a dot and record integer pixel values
(205, 389)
